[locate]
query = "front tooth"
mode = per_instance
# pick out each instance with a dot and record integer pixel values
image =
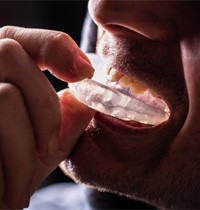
(125, 81)
(115, 75)
(138, 87)
(106, 69)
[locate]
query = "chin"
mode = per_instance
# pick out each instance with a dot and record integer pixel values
(115, 157)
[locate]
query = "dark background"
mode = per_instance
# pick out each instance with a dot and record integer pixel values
(66, 16)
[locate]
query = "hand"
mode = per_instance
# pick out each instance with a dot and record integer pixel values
(38, 128)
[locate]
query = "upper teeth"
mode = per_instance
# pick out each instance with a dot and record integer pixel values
(135, 87)
(114, 75)
(126, 81)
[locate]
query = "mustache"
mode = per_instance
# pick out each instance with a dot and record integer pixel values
(150, 61)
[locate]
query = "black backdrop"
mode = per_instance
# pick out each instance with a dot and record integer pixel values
(67, 16)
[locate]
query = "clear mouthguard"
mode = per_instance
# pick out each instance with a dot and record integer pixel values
(99, 94)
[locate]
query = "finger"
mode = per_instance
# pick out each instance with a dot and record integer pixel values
(53, 50)
(75, 118)
(17, 147)
(42, 103)
(41, 100)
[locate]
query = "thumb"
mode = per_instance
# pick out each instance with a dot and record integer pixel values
(75, 118)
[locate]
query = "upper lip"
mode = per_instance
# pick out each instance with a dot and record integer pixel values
(132, 53)
(118, 30)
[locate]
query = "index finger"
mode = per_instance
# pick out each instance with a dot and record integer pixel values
(52, 50)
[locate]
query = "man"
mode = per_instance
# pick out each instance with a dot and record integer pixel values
(156, 44)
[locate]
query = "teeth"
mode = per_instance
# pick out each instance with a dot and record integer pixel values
(108, 70)
(114, 75)
(138, 87)
(125, 81)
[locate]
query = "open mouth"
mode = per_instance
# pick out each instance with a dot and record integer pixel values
(121, 96)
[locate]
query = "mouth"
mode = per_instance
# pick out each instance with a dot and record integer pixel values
(146, 77)
(149, 77)
(134, 88)
(121, 96)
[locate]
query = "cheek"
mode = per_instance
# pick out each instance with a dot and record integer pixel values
(191, 63)
(187, 144)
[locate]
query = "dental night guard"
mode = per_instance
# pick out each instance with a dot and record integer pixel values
(108, 97)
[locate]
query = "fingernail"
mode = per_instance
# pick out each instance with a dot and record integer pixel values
(84, 69)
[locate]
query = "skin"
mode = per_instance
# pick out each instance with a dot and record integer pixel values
(159, 165)
(38, 127)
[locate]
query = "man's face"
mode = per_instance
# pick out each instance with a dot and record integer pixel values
(157, 44)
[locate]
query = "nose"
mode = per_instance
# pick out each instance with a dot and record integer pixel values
(150, 19)
(106, 12)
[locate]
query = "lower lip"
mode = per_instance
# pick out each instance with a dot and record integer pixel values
(123, 126)
(115, 138)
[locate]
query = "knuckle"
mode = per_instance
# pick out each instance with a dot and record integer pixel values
(7, 31)
(9, 93)
(64, 37)
(57, 42)
(9, 48)
(55, 39)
